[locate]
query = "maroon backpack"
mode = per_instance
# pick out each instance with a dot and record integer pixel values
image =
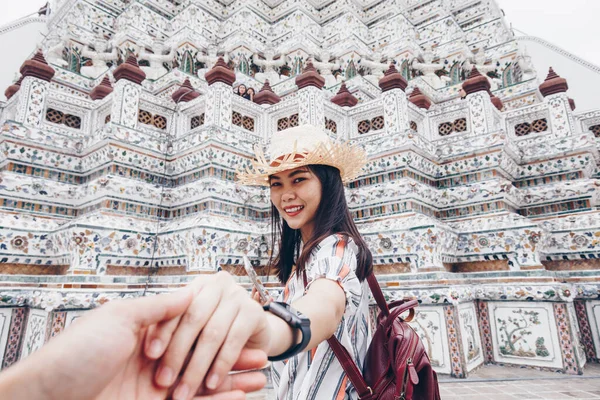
(396, 366)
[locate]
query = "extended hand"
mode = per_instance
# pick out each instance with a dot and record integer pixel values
(221, 320)
(101, 356)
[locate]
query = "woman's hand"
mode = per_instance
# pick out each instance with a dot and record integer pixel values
(256, 297)
(220, 322)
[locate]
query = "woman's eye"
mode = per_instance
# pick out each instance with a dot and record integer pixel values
(299, 180)
(275, 184)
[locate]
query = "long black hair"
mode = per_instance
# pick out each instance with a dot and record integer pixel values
(332, 216)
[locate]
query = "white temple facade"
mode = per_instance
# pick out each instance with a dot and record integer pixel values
(480, 198)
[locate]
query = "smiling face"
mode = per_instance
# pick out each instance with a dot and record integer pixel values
(296, 194)
(242, 89)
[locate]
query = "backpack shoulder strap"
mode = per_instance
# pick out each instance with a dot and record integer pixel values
(378, 294)
(341, 353)
(350, 368)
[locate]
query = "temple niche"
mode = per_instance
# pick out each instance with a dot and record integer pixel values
(122, 134)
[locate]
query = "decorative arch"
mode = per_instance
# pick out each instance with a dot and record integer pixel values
(74, 58)
(351, 70)
(455, 73)
(297, 66)
(405, 69)
(508, 76)
(244, 65)
(188, 63)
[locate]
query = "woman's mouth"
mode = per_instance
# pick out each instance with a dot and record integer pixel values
(293, 211)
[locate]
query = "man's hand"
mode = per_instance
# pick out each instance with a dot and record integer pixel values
(101, 356)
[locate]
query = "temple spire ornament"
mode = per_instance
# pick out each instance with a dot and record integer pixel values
(392, 79)
(497, 102)
(220, 73)
(266, 95)
(14, 88)
(185, 93)
(419, 99)
(310, 77)
(102, 90)
(553, 84)
(37, 67)
(130, 70)
(476, 83)
(344, 98)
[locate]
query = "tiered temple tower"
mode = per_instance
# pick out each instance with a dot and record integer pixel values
(121, 138)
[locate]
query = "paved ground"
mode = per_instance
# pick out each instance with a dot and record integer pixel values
(493, 382)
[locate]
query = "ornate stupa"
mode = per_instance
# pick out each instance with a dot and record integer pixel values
(121, 141)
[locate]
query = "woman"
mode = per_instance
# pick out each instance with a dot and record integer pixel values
(251, 94)
(323, 262)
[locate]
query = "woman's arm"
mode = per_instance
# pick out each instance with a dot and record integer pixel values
(323, 304)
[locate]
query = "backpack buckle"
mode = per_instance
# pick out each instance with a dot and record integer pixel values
(370, 392)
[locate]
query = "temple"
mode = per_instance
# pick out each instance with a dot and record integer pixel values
(122, 132)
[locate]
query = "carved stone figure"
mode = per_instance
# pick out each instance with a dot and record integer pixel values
(376, 67)
(157, 60)
(525, 64)
(479, 60)
(209, 60)
(269, 66)
(428, 68)
(99, 56)
(55, 52)
(326, 68)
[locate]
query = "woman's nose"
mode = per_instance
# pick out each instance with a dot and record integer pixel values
(289, 195)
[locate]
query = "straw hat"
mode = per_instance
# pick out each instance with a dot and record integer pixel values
(299, 146)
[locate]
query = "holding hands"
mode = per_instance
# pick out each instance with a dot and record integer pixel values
(182, 345)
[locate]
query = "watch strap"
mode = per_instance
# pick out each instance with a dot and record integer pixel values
(291, 317)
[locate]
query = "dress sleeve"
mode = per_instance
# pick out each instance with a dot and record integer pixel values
(336, 260)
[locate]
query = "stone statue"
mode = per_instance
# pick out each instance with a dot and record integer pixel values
(55, 52)
(479, 60)
(99, 56)
(525, 64)
(325, 68)
(428, 68)
(269, 66)
(376, 67)
(209, 60)
(157, 59)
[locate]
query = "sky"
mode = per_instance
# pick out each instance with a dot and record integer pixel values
(573, 27)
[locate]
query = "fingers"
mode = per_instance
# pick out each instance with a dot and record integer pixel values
(207, 346)
(238, 335)
(146, 311)
(192, 322)
(246, 382)
(250, 359)
(159, 336)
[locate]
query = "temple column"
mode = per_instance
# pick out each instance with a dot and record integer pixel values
(126, 94)
(311, 100)
(554, 89)
(395, 102)
(34, 86)
(219, 97)
(481, 109)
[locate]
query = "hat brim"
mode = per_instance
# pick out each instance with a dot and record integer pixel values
(347, 158)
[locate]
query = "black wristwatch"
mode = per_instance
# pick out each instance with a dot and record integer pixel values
(294, 319)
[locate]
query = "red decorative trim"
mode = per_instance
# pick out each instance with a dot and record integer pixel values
(483, 314)
(565, 339)
(585, 331)
(15, 337)
(456, 356)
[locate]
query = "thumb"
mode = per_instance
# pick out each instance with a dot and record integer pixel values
(146, 311)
